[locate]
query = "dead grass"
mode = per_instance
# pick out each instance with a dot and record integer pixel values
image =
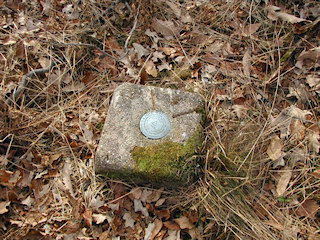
(248, 79)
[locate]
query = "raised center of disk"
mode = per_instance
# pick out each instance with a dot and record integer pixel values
(155, 125)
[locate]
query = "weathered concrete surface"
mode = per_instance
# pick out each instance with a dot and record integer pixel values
(123, 148)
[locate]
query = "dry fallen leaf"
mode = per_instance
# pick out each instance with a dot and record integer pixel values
(104, 235)
(274, 150)
(87, 216)
(250, 29)
(26, 180)
(157, 227)
(95, 202)
(5, 177)
(284, 181)
(114, 206)
(140, 50)
(171, 225)
(297, 112)
(9, 40)
(298, 155)
(153, 35)
(35, 218)
(109, 63)
(299, 91)
(15, 177)
(240, 110)
(316, 173)
(162, 213)
(210, 226)
(99, 218)
(313, 139)
(119, 189)
(72, 12)
(194, 234)
(3, 160)
(164, 66)
(3, 207)
(151, 69)
(87, 134)
(156, 56)
(46, 7)
(274, 13)
(138, 207)
(173, 235)
(309, 59)
(28, 201)
(66, 176)
(246, 62)
(186, 18)
(313, 80)
(148, 231)
(282, 123)
(74, 87)
(274, 224)
(175, 8)
(17, 222)
(184, 222)
(129, 221)
(44, 62)
(160, 202)
(297, 129)
(308, 208)
(166, 28)
(156, 195)
(135, 193)
(146, 196)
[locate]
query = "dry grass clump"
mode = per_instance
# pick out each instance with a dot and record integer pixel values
(260, 158)
(242, 187)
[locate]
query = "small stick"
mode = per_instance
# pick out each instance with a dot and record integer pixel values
(23, 83)
(128, 38)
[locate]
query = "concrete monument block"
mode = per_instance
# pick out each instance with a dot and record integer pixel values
(151, 135)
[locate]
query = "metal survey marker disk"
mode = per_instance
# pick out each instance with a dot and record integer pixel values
(155, 125)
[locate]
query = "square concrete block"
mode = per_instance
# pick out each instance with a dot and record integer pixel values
(128, 152)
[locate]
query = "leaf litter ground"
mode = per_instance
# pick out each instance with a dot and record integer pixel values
(255, 64)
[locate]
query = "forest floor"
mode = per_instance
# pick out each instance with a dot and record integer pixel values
(256, 64)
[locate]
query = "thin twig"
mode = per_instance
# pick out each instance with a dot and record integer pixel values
(18, 90)
(142, 67)
(128, 38)
(184, 52)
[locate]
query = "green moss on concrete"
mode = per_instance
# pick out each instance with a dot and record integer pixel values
(127, 174)
(168, 161)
